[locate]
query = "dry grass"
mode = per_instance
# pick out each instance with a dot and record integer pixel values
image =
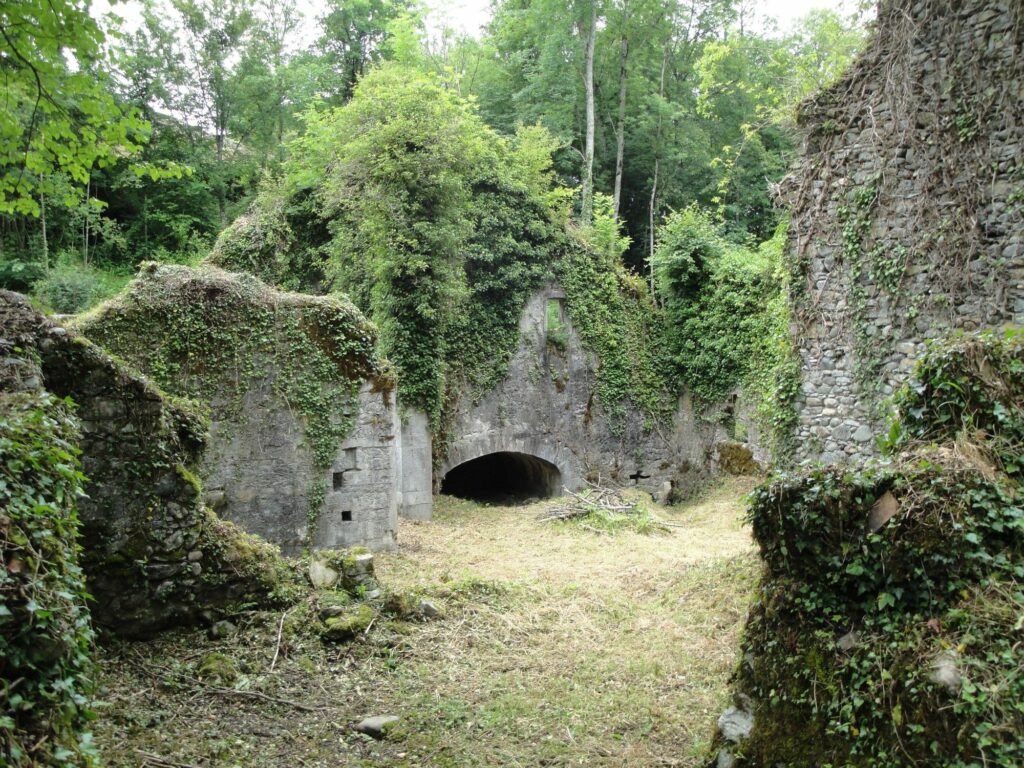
(558, 647)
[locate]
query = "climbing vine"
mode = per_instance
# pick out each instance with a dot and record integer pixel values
(616, 320)
(46, 673)
(727, 321)
(210, 336)
(887, 627)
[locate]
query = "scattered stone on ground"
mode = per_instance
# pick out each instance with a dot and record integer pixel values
(376, 727)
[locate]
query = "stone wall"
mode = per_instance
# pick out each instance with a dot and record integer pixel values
(153, 553)
(907, 209)
(304, 438)
(546, 407)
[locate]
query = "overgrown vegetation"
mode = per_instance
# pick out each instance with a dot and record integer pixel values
(46, 637)
(727, 320)
(888, 626)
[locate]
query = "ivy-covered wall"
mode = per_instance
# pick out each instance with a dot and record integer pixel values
(887, 628)
(154, 555)
(908, 209)
(304, 435)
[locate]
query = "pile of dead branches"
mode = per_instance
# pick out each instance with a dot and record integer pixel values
(594, 499)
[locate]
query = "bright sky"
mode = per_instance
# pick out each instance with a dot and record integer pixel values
(468, 16)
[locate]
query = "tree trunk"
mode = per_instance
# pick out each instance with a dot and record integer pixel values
(85, 224)
(42, 224)
(620, 126)
(587, 194)
(657, 166)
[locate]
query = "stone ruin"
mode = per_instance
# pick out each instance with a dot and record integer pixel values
(907, 210)
(306, 446)
(541, 428)
(153, 553)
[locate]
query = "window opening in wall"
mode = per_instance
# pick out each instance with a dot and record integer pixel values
(346, 516)
(339, 480)
(557, 335)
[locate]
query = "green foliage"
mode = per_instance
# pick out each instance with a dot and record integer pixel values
(969, 390)
(45, 632)
(400, 198)
(727, 319)
(72, 287)
(612, 311)
(59, 116)
(921, 560)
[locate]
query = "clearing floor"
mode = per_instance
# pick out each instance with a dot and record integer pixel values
(558, 645)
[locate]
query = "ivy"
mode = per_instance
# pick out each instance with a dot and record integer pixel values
(210, 335)
(46, 674)
(877, 574)
(613, 313)
(727, 321)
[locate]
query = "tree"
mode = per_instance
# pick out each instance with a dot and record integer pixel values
(59, 115)
(351, 41)
(588, 35)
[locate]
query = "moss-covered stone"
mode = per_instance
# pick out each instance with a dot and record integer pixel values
(153, 553)
(217, 668)
(280, 375)
(882, 623)
(348, 625)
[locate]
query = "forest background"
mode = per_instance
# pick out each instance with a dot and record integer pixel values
(119, 147)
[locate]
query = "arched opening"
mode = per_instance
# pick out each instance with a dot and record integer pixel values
(504, 477)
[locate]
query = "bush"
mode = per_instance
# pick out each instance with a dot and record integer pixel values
(71, 287)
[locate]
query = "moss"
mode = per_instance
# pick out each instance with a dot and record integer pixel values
(217, 668)
(737, 459)
(348, 625)
(209, 336)
(401, 605)
(914, 557)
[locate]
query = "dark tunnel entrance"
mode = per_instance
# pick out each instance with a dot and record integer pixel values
(504, 477)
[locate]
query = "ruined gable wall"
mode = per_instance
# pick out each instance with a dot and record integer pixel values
(154, 555)
(907, 209)
(546, 406)
(304, 430)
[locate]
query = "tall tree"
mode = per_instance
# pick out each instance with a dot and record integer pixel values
(352, 36)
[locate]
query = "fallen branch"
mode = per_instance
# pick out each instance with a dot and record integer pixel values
(264, 696)
(151, 759)
(277, 647)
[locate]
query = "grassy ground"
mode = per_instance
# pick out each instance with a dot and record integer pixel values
(557, 647)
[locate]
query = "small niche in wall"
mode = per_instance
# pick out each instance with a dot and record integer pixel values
(346, 515)
(339, 480)
(350, 458)
(557, 336)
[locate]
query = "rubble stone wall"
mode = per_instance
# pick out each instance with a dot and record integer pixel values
(907, 209)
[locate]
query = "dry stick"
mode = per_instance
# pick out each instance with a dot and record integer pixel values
(264, 696)
(277, 648)
(163, 762)
(231, 691)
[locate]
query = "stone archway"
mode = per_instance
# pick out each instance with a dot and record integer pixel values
(503, 476)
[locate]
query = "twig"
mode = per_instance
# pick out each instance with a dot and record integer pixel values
(264, 696)
(162, 762)
(277, 648)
